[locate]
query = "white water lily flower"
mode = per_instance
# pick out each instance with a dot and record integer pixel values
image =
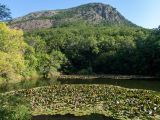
(150, 112)
(117, 102)
(155, 108)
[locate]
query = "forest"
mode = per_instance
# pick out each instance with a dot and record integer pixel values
(79, 49)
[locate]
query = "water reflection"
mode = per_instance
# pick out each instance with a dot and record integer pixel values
(148, 84)
(27, 84)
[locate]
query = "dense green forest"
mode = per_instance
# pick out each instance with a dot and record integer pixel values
(95, 49)
(78, 48)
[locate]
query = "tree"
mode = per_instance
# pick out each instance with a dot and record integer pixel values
(5, 13)
(90, 48)
(48, 65)
(12, 47)
(152, 52)
(58, 60)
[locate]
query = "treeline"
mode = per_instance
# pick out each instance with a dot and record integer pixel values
(79, 49)
(88, 49)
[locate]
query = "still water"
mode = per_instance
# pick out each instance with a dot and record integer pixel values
(148, 84)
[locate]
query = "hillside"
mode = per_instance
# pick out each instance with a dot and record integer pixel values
(92, 13)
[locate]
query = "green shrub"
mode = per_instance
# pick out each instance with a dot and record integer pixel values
(14, 108)
(21, 113)
(14, 113)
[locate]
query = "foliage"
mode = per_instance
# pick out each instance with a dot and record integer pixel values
(58, 59)
(151, 50)
(11, 108)
(109, 50)
(5, 13)
(63, 15)
(34, 53)
(45, 63)
(12, 46)
(84, 49)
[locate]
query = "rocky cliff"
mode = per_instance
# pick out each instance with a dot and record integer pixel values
(94, 13)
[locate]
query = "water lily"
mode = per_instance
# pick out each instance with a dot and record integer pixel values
(155, 108)
(150, 112)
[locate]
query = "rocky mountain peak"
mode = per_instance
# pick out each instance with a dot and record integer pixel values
(102, 11)
(94, 13)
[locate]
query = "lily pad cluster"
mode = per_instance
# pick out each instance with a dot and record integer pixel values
(116, 102)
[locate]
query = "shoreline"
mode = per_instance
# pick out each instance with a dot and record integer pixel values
(105, 76)
(89, 77)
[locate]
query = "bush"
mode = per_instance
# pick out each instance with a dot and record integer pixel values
(20, 112)
(11, 108)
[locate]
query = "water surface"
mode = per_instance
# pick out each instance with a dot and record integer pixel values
(147, 84)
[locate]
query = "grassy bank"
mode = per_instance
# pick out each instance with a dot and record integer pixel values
(79, 100)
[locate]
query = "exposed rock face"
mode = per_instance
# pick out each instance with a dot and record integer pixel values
(33, 24)
(97, 12)
(93, 13)
(36, 15)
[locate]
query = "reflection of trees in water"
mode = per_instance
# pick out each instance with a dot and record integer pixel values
(147, 84)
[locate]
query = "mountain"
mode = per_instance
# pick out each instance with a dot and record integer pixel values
(92, 13)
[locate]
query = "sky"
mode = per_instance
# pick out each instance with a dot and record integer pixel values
(145, 13)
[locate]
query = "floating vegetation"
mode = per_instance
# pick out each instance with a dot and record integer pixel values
(116, 102)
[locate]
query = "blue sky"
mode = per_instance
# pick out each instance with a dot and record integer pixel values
(144, 13)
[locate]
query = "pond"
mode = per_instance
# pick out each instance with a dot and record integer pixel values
(148, 84)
